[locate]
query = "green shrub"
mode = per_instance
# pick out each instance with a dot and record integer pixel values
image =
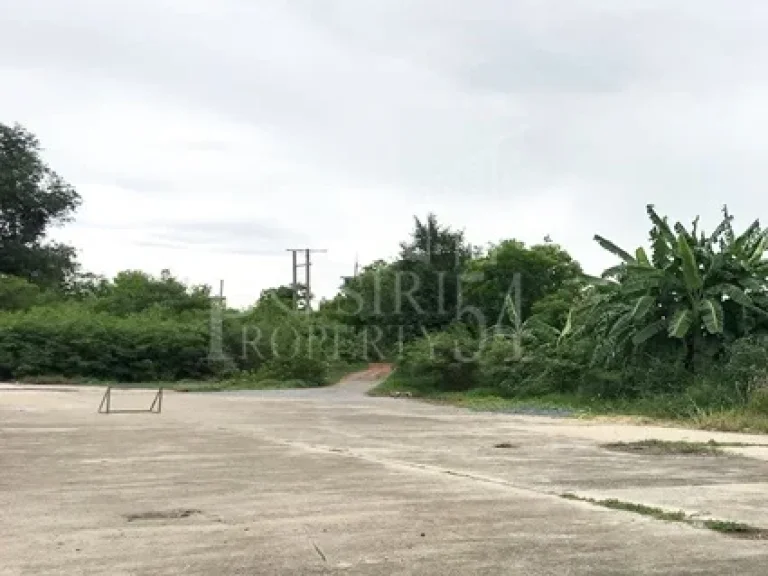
(737, 380)
(499, 366)
(747, 362)
(653, 376)
(758, 400)
(311, 370)
(20, 294)
(70, 342)
(446, 361)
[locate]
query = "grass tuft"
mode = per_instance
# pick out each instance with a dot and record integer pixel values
(655, 447)
(734, 529)
(663, 447)
(615, 504)
(737, 529)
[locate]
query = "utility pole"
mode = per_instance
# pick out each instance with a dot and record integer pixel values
(348, 279)
(295, 282)
(216, 344)
(307, 265)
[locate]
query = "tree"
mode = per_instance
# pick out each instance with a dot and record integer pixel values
(134, 292)
(417, 292)
(701, 290)
(427, 277)
(277, 303)
(547, 280)
(17, 293)
(33, 198)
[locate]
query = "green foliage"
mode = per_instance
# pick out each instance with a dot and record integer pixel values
(444, 360)
(33, 198)
(134, 292)
(19, 294)
(544, 276)
(679, 326)
(57, 320)
(703, 291)
(71, 340)
(313, 371)
(680, 329)
(418, 292)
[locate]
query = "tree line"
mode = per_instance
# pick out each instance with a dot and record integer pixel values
(683, 317)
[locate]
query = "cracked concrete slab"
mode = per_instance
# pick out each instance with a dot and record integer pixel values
(334, 482)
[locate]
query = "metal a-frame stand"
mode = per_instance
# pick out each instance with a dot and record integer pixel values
(106, 402)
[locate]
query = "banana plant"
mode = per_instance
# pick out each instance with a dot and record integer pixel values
(685, 288)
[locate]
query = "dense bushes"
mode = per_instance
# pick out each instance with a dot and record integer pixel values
(683, 327)
(444, 360)
(164, 334)
(73, 340)
(70, 340)
(434, 365)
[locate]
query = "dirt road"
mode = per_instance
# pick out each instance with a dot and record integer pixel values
(334, 482)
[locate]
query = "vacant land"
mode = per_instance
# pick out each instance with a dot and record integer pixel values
(330, 481)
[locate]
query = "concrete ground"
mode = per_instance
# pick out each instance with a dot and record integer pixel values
(334, 482)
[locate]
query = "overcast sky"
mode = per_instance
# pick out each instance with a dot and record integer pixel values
(207, 136)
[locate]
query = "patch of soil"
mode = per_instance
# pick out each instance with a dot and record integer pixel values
(375, 371)
(163, 514)
(505, 445)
